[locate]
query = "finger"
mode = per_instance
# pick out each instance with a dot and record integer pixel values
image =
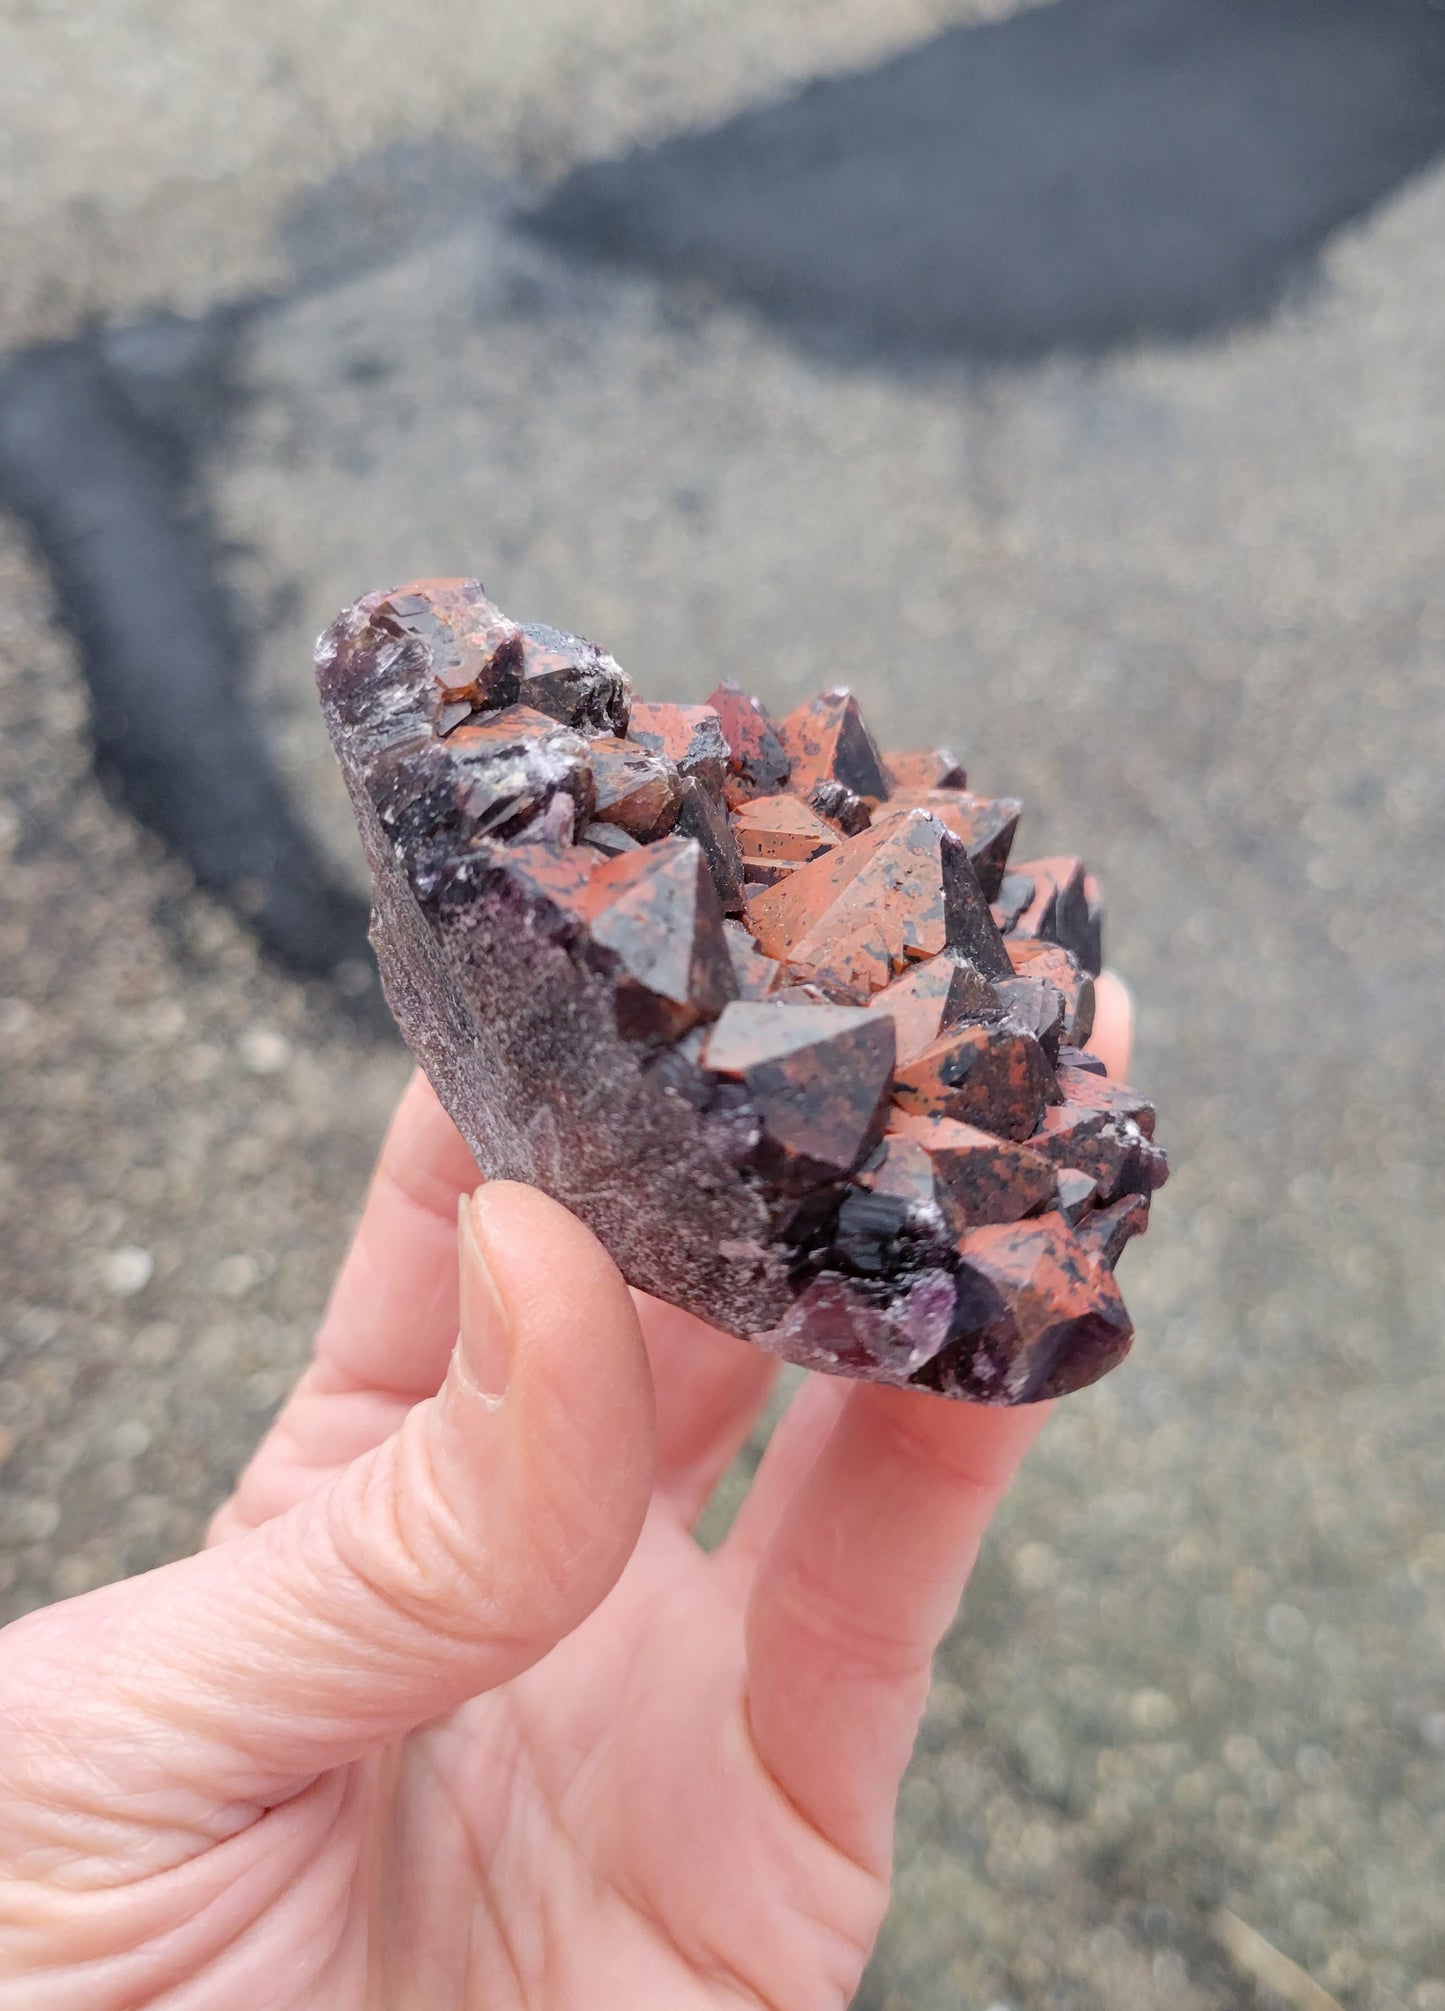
(440, 1564)
(392, 1317)
(803, 1430)
(711, 1389)
(854, 1591)
(1113, 1036)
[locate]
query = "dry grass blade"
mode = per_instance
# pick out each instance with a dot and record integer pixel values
(1263, 1963)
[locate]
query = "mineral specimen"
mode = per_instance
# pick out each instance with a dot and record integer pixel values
(769, 1009)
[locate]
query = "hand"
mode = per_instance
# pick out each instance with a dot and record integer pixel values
(453, 1711)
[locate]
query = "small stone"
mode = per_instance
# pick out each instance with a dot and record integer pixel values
(128, 1270)
(817, 1075)
(932, 996)
(130, 1438)
(757, 764)
(28, 1518)
(155, 1344)
(995, 1076)
(929, 768)
(1153, 1712)
(637, 790)
(984, 826)
(236, 1275)
(690, 736)
(826, 741)
(263, 1051)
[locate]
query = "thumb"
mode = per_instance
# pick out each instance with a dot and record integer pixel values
(437, 1566)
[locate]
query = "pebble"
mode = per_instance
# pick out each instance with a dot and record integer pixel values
(236, 1275)
(264, 1051)
(128, 1270)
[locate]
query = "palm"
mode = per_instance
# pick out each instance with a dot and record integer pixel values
(602, 1819)
(608, 1829)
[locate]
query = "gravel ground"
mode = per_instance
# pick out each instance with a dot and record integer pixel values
(1189, 600)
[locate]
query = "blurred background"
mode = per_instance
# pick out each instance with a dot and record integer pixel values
(1066, 378)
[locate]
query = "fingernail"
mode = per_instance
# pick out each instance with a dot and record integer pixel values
(484, 1346)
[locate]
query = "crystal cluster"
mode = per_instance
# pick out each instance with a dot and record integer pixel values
(777, 1014)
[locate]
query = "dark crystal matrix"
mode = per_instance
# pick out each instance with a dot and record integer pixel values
(774, 1013)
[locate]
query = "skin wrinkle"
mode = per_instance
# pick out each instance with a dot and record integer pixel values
(461, 1638)
(63, 1766)
(317, 1959)
(562, 1827)
(719, 1968)
(210, 1869)
(917, 1444)
(851, 1866)
(870, 1654)
(481, 1866)
(406, 1528)
(703, 1950)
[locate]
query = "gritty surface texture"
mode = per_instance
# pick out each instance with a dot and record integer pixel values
(179, 1167)
(1192, 594)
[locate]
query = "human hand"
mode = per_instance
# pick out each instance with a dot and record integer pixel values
(453, 1711)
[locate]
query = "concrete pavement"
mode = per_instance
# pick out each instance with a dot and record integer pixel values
(1184, 599)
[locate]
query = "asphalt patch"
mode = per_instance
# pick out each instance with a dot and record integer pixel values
(1076, 176)
(99, 440)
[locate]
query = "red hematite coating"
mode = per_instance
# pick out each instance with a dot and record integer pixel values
(931, 996)
(772, 1011)
(825, 740)
(937, 768)
(782, 830)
